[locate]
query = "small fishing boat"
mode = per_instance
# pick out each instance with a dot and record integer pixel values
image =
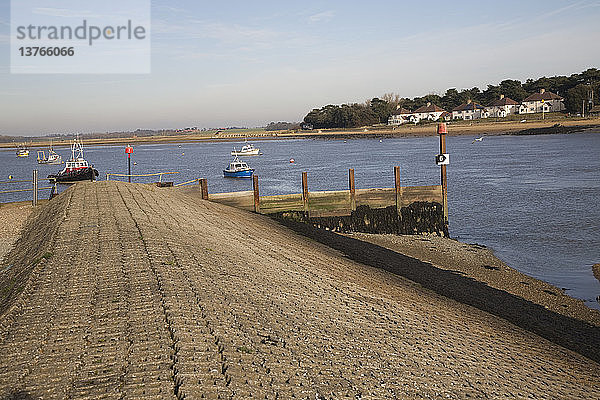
(248, 149)
(238, 169)
(77, 168)
(53, 157)
(22, 151)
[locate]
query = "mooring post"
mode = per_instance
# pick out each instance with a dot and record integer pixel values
(203, 188)
(305, 190)
(352, 189)
(442, 130)
(398, 189)
(256, 194)
(34, 182)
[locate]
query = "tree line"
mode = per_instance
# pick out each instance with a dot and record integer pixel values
(574, 89)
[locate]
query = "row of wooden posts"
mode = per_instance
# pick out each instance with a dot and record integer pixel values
(326, 203)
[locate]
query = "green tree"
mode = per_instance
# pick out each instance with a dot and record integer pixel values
(450, 100)
(513, 89)
(490, 94)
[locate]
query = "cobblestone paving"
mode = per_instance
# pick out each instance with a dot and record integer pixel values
(153, 294)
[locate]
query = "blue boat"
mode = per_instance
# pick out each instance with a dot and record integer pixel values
(238, 169)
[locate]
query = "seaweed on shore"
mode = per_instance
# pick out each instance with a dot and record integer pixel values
(552, 130)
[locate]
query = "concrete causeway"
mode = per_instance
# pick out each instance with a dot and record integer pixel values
(122, 290)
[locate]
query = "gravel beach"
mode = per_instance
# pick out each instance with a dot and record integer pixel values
(13, 217)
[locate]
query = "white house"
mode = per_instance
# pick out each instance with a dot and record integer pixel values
(446, 116)
(429, 111)
(542, 102)
(502, 107)
(399, 117)
(470, 110)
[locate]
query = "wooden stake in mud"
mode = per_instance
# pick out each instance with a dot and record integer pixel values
(352, 189)
(398, 189)
(256, 194)
(305, 190)
(442, 130)
(203, 188)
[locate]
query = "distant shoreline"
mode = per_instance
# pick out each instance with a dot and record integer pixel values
(455, 128)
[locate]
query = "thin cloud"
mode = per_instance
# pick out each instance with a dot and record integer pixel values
(62, 12)
(560, 10)
(173, 9)
(321, 17)
(233, 33)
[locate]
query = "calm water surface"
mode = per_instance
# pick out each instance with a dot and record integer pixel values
(534, 199)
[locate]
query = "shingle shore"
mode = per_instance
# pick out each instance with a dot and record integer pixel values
(138, 292)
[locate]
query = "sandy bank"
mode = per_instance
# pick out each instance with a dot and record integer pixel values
(135, 291)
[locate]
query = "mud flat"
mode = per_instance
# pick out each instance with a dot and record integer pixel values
(127, 290)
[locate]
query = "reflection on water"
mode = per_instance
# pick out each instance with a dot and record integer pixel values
(533, 199)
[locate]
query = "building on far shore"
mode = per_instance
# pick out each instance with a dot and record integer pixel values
(399, 117)
(502, 107)
(542, 102)
(429, 112)
(446, 116)
(595, 111)
(470, 110)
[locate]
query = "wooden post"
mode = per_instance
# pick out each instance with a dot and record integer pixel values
(398, 189)
(305, 190)
(34, 182)
(442, 130)
(352, 189)
(256, 194)
(203, 188)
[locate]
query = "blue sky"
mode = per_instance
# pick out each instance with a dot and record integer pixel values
(246, 63)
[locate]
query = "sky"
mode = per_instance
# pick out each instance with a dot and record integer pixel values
(247, 63)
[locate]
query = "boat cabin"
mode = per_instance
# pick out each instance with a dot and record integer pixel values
(75, 165)
(238, 165)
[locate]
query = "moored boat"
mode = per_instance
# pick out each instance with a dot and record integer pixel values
(52, 159)
(23, 151)
(77, 168)
(248, 149)
(238, 169)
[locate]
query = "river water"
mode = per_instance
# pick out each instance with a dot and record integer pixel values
(535, 200)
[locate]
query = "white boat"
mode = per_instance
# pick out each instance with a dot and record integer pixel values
(248, 149)
(52, 159)
(22, 151)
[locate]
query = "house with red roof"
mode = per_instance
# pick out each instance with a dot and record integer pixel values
(469, 110)
(503, 107)
(400, 116)
(542, 102)
(429, 111)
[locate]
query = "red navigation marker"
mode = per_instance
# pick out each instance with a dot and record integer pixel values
(128, 151)
(442, 129)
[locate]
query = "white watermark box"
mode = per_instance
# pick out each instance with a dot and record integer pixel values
(80, 37)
